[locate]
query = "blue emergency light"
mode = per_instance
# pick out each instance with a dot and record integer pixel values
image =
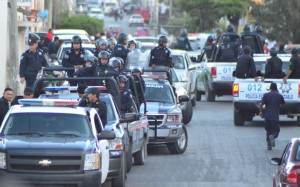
(48, 102)
(70, 88)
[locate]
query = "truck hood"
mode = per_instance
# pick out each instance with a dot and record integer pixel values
(47, 145)
(159, 108)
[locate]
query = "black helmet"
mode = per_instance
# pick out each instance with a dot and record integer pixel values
(103, 55)
(294, 51)
(89, 56)
(136, 69)
(162, 39)
(218, 31)
(92, 90)
(76, 39)
(258, 29)
(183, 32)
(247, 28)
(273, 51)
(210, 39)
(115, 62)
(122, 78)
(111, 41)
(122, 61)
(247, 50)
(101, 42)
(33, 40)
(230, 28)
(121, 38)
(131, 42)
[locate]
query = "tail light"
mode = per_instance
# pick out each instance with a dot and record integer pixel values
(213, 72)
(292, 177)
(299, 90)
(235, 90)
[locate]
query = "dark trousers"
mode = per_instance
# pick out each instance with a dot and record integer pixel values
(30, 82)
(272, 128)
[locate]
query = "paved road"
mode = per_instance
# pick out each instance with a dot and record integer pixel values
(218, 153)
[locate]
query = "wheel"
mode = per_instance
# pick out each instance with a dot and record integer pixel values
(180, 145)
(198, 96)
(209, 95)
(120, 181)
(239, 119)
(139, 157)
(129, 158)
(187, 114)
(193, 101)
(298, 121)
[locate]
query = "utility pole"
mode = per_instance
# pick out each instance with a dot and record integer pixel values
(3, 40)
(50, 13)
(12, 63)
(170, 8)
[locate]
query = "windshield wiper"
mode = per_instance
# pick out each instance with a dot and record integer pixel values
(28, 134)
(66, 134)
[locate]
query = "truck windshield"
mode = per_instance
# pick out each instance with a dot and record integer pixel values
(178, 62)
(158, 93)
(47, 124)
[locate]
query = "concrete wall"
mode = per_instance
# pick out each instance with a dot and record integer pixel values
(3, 47)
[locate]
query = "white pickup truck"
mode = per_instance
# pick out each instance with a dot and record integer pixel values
(247, 93)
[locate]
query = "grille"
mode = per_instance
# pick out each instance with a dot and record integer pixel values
(57, 164)
(159, 118)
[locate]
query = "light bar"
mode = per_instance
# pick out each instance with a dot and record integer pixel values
(155, 76)
(267, 55)
(48, 102)
(70, 88)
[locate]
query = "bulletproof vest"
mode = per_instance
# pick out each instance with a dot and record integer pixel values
(227, 51)
(181, 43)
(209, 47)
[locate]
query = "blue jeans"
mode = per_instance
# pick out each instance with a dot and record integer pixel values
(272, 128)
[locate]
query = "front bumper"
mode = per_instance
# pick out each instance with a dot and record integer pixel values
(88, 178)
(165, 134)
(115, 163)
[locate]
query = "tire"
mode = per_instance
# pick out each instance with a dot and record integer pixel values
(129, 158)
(209, 95)
(120, 181)
(198, 96)
(298, 121)
(187, 114)
(180, 145)
(238, 117)
(139, 157)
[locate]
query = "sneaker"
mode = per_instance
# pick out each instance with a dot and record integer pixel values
(272, 140)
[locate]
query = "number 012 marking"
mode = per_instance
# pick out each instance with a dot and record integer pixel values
(254, 87)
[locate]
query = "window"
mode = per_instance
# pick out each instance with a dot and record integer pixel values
(178, 61)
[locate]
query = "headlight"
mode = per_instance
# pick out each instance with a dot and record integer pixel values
(116, 144)
(2, 161)
(92, 161)
(173, 119)
(181, 91)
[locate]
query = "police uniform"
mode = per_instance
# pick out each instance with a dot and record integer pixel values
(111, 52)
(183, 43)
(126, 100)
(31, 63)
(97, 51)
(121, 51)
(295, 67)
(245, 67)
(140, 87)
(273, 68)
(161, 56)
(72, 59)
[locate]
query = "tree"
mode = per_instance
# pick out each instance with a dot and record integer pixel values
(91, 25)
(280, 19)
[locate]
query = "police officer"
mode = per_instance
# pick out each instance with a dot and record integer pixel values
(89, 60)
(183, 42)
(273, 67)
(111, 43)
(245, 67)
(230, 29)
(259, 31)
(161, 55)
(120, 49)
(209, 47)
(131, 45)
(101, 45)
(281, 49)
(32, 61)
(5, 102)
(126, 95)
(294, 70)
(272, 102)
(137, 71)
(246, 30)
(92, 99)
(218, 35)
(74, 57)
(116, 65)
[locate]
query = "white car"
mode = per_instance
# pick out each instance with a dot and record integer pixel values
(136, 19)
(58, 32)
(96, 13)
(68, 38)
(65, 47)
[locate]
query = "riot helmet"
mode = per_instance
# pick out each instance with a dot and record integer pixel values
(218, 31)
(258, 29)
(122, 61)
(115, 62)
(273, 51)
(92, 90)
(103, 55)
(111, 42)
(136, 69)
(76, 39)
(101, 42)
(122, 38)
(183, 32)
(247, 28)
(122, 78)
(89, 57)
(210, 39)
(230, 28)
(162, 39)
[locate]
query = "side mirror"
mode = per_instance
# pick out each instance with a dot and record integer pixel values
(184, 79)
(53, 57)
(275, 161)
(183, 98)
(193, 59)
(106, 135)
(130, 117)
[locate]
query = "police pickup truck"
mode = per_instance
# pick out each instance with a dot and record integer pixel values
(53, 142)
(247, 93)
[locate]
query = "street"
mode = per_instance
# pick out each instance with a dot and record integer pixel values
(218, 153)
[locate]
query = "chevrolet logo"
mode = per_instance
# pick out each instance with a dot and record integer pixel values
(45, 163)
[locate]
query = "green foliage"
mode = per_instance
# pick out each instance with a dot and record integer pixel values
(91, 25)
(280, 19)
